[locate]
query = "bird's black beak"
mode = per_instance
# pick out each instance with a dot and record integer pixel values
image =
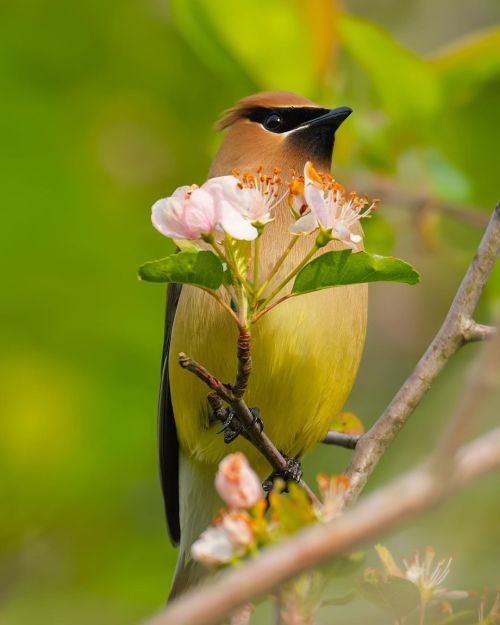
(333, 118)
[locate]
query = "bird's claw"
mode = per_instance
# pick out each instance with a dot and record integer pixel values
(232, 426)
(292, 473)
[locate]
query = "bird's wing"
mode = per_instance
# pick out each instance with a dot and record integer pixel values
(168, 444)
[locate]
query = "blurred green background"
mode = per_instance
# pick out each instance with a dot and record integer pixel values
(107, 106)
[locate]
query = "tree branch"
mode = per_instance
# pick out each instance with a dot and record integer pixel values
(378, 513)
(372, 517)
(457, 329)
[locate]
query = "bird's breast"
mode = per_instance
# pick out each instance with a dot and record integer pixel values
(305, 354)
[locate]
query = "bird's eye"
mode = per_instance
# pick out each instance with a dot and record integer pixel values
(273, 121)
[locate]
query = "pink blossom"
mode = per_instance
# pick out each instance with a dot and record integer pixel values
(228, 538)
(237, 483)
(331, 209)
(188, 214)
(232, 205)
(213, 547)
(246, 201)
(237, 527)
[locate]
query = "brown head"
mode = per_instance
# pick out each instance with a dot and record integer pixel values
(277, 129)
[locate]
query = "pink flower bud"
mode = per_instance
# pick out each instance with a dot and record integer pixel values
(237, 483)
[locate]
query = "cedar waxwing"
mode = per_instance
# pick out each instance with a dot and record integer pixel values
(305, 352)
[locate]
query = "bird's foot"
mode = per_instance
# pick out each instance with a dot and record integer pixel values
(292, 473)
(232, 426)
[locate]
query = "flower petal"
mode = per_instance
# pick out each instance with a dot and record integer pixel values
(305, 225)
(235, 224)
(213, 547)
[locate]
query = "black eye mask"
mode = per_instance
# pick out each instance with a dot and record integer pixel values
(284, 119)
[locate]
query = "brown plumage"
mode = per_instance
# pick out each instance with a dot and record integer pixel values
(305, 352)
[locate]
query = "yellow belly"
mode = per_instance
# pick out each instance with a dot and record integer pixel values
(305, 352)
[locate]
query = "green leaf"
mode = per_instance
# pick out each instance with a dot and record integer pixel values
(470, 62)
(293, 511)
(200, 268)
(343, 267)
(193, 21)
(395, 594)
(347, 423)
(276, 44)
(405, 85)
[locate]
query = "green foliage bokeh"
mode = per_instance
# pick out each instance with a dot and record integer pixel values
(105, 108)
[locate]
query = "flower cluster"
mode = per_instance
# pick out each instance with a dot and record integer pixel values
(232, 533)
(249, 522)
(423, 573)
(242, 204)
(237, 204)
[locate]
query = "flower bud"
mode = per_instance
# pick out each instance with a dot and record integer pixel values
(237, 483)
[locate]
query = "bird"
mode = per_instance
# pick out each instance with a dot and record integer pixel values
(306, 352)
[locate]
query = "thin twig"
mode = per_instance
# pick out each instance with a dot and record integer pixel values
(477, 331)
(341, 440)
(455, 332)
(372, 517)
(205, 376)
(253, 430)
(244, 364)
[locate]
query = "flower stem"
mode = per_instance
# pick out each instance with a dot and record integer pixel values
(277, 266)
(291, 275)
(223, 258)
(227, 308)
(256, 255)
(234, 266)
(270, 307)
(423, 609)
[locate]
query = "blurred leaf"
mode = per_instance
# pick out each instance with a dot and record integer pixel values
(345, 566)
(343, 267)
(464, 617)
(192, 19)
(445, 179)
(341, 600)
(348, 423)
(292, 511)
(201, 268)
(396, 595)
(322, 19)
(379, 234)
(270, 40)
(469, 62)
(405, 85)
